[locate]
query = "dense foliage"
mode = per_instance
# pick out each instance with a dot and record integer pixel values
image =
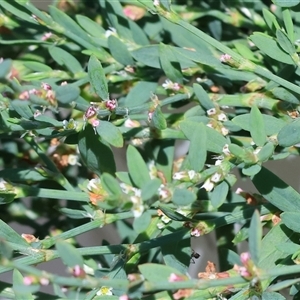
(81, 80)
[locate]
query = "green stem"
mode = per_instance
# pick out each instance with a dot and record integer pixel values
(27, 191)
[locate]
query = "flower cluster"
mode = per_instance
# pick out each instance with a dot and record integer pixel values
(217, 117)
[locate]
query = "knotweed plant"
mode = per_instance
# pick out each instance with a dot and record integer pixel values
(80, 80)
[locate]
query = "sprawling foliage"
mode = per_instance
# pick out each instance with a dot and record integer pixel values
(81, 80)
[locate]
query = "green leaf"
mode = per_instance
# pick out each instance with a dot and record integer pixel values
(289, 26)
(74, 213)
(165, 158)
(272, 296)
(173, 215)
(183, 197)
(271, 20)
(169, 63)
(219, 194)
(266, 152)
(49, 120)
(37, 66)
(67, 93)
(251, 170)
(119, 51)
(21, 174)
(64, 58)
(285, 42)
(286, 3)
(202, 97)
(141, 223)
(158, 120)
(291, 220)
(22, 108)
(140, 93)
(177, 254)
(257, 127)
(166, 4)
(5, 66)
(17, 12)
(276, 191)
(110, 133)
(255, 236)
(110, 184)
(137, 167)
(97, 155)
(270, 47)
(97, 78)
(197, 134)
(90, 26)
(67, 23)
(9, 235)
(215, 141)
(285, 95)
(157, 272)
(289, 135)
(272, 125)
(69, 254)
(150, 189)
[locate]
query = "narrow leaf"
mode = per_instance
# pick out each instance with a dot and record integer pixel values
(64, 58)
(202, 97)
(257, 127)
(255, 236)
(97, 78)
(96, 155)
(183, 197)
(291, 220)
(197, 135)
(219, 194)
(119, 51)
(276, 191)
(170, 64)
(289, 135)
(69, 254)
(137, 167)
(110, 133)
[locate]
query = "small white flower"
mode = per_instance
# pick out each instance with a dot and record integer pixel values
(88, 270)
(165, 219)
(93, 184)
(257, 150)
(226, 150)
(1, 60)
(208, 185)
(156, 2)
(216, 177)
(218, 162)
(224, 131)
(191, 174)
(72, 159)
(160, 225)
(125, 188)
(211, 111)
(110, 31)
(138, 210)
(3, 185)
(163, 192)
(105, 290)
(195, 232)
(168, 84)
(209, 125)
(222, 117)
(179, 175)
